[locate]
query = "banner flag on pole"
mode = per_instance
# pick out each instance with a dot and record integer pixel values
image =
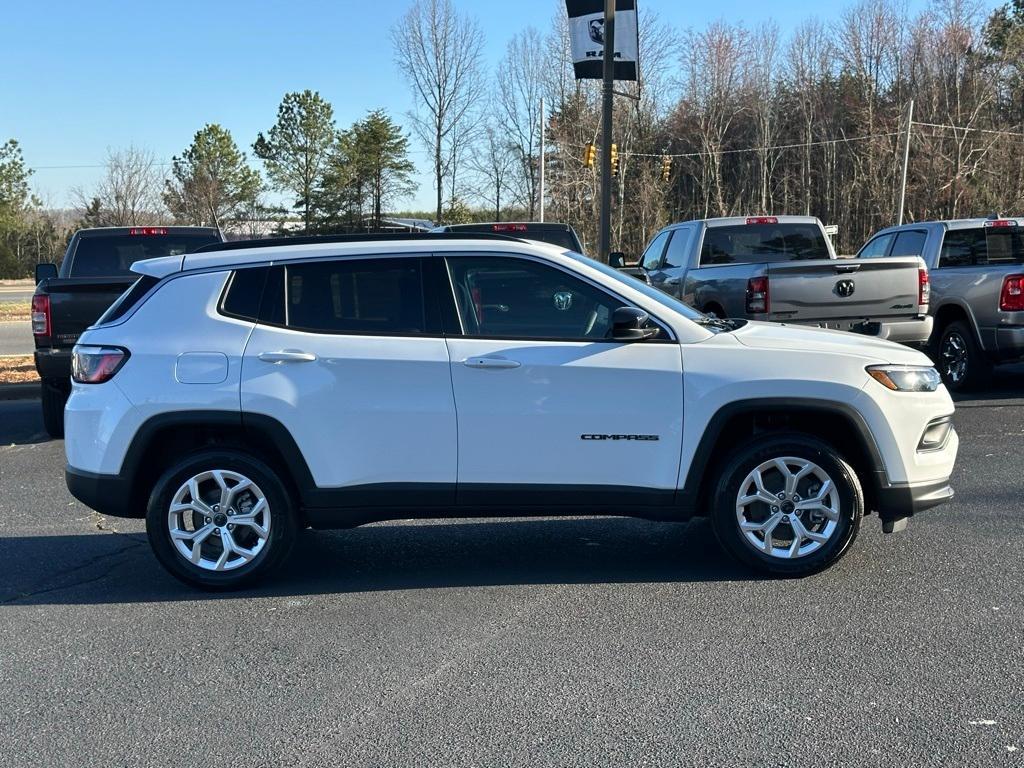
(586, 33)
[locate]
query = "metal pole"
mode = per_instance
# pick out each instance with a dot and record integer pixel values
(606, 129)
(906, 161)
(542, 159)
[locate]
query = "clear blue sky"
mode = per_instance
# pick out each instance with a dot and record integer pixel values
(78, 77)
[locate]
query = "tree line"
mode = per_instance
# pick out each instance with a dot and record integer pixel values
(726, 120)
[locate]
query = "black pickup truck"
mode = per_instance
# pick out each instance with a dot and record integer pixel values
(96, 270)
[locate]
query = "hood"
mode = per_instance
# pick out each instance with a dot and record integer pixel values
(760, 335)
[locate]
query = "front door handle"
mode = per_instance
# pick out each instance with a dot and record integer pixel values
(287, 356)
(490, 362)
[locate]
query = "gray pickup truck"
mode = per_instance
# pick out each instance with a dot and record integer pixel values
(977, 276)
(784, 269)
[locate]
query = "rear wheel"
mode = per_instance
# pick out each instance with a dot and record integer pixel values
(788, 505)
(960, 360)
(54, 399)
(220, 519)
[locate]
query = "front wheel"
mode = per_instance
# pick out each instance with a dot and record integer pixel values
(960, 359)
(220, 519)
(787, 505)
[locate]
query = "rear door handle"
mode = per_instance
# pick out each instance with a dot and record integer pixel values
(490, 362)
(287, 356)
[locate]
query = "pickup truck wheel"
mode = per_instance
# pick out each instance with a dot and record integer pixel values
(787, 505)
(960, 360)
(53, 401)
(220, 519)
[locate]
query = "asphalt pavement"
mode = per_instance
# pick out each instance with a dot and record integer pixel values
(16, 338)
(551, 642)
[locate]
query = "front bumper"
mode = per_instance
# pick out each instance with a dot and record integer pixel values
(896, 503)
(107, 494)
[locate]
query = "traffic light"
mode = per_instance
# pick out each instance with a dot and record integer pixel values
(615, 159)
(589, 153)
(666, 168)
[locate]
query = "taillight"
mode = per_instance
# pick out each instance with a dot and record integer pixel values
(95, 365)
(147, 231)
(924, 286)
(763, 220)
(757, 295)
(1011, 298)
(41, 315)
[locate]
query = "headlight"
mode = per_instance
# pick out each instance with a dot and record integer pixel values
(906, 378)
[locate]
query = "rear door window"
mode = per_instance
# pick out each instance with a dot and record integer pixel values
(373, 297)
(113, 255)
(963, 248)
(909, 243)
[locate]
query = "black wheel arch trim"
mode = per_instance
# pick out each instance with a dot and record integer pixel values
(690, 493)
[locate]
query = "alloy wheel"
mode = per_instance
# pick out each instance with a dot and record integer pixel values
(954, 357)
(787, 507)
(219, 520)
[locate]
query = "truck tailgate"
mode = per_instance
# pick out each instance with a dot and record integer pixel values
(845, 290)
(75, 304)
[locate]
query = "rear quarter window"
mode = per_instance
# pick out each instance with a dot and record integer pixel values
(128, 300)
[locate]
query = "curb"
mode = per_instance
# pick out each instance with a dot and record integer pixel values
(27, 391)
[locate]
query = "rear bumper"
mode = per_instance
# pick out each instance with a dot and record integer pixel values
(916, 331)
(54, 364)
(107, 494)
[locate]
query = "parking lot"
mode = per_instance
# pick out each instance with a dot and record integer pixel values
(528, 642)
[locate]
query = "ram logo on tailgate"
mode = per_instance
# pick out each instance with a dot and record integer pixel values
(845, 288)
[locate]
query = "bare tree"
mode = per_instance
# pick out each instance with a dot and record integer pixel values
(520, 86)
(129, 191)
(493, 163)
(439, 52)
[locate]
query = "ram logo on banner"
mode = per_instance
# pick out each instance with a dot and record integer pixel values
(586, 32)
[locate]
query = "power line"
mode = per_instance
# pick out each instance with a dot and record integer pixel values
(965, 128)
(845, 139)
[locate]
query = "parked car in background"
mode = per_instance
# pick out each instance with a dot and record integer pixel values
(335, 384)
(561, 235)
(96, 270)
(784, 269)
(977, 277)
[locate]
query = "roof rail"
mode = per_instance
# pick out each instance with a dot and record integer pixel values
(277, 242)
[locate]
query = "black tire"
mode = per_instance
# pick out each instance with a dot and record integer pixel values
(53, 401)
(960, 359)
(764, 449)
(281, 533)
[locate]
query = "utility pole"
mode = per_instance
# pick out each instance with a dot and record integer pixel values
(606, 129)
(906, 161)
(542, 121)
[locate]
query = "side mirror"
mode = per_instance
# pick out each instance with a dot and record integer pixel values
(631, 324)
(45, 272)
(616, 259)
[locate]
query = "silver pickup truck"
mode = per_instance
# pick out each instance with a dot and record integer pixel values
(784, 269)
(977, 275)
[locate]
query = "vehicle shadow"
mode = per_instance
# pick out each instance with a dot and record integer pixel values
(1007, 384)
(21, 423)
(120, 568)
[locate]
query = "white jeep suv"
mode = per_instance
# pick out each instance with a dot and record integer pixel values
(238, 394)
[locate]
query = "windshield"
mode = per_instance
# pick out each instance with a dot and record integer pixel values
(639, 285)
(113, 255)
